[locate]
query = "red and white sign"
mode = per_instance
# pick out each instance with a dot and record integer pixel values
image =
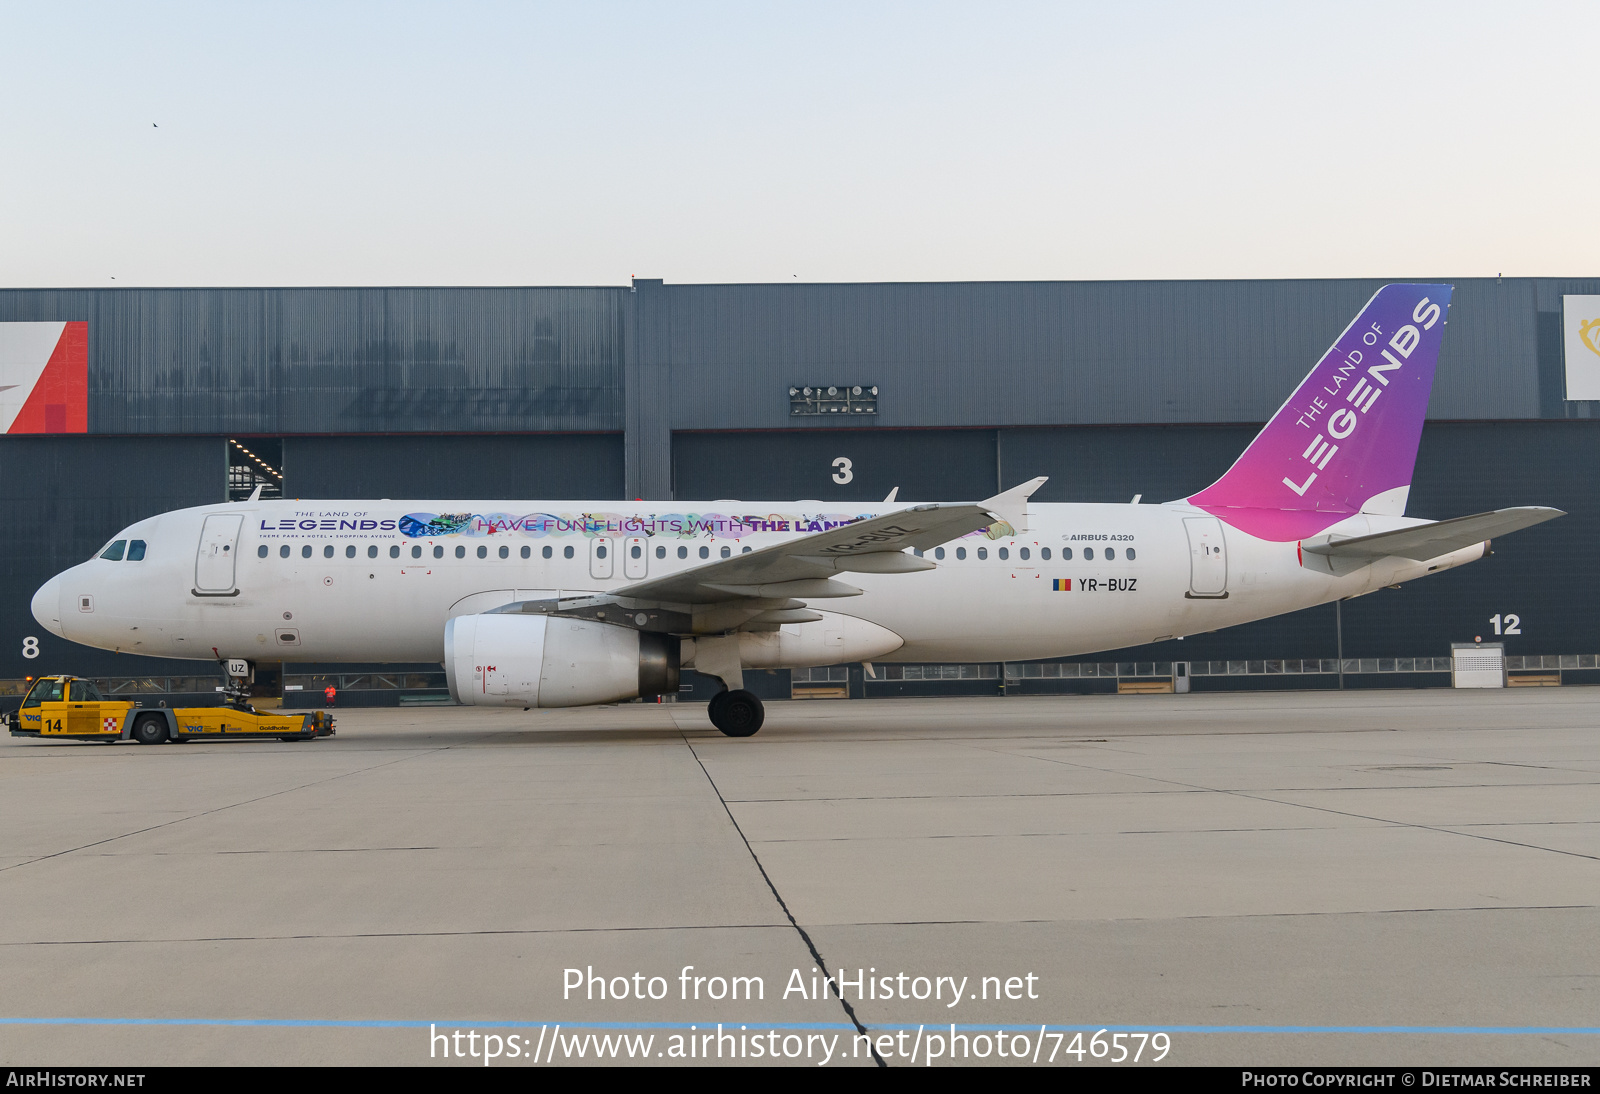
(44, 377)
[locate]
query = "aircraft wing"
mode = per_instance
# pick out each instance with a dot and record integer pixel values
(805, 566)
(1427, 541)
(770, 586)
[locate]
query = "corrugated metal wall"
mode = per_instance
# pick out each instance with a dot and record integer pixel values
(659, 358)
(1059, 353)
(345, 360)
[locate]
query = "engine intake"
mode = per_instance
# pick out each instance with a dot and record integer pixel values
(548, 661)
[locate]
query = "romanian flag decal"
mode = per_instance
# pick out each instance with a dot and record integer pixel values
(1061, 584)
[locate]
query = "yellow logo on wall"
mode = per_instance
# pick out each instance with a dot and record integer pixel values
(1589, 331)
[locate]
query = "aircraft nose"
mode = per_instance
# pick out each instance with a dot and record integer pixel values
(47, 606)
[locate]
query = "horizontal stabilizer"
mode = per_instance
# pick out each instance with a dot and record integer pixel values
(1425, 541)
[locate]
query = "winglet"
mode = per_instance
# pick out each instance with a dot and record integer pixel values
(1012, 506)
(255, 495)
(892, 494)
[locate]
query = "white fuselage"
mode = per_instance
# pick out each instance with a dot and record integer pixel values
(341, 581)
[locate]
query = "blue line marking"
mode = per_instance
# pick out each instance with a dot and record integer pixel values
(379, 1023)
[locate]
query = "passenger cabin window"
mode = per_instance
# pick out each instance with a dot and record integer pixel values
(983, 552)
(546, 552)
(327, 552)
(394, 550)
(938, 552)
(1088, 553)
(136, 550)
(114, 552)
(261, 551)
(372, 551)
(1044, 553)
(305, 552)
(1130, 553)
(566, 552)
(483, 552)
(416, 550)
(705, 552)
(350, 550)
(727, 552)
(661, 552)
(505, 552)
(527, 552)
(635, 551)
(600, 551)
(1111, 554)
(438, 550)
(961, 553)
(461, 551)
(1004, 553)
(283, 552)
(683, 552)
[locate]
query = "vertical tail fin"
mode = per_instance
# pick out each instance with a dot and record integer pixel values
(1346, 440)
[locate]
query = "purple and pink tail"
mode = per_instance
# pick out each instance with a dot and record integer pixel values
(1346, 441)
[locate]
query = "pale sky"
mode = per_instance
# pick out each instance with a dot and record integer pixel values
(584, 143)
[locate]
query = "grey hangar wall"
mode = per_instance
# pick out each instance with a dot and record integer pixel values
(662, 391)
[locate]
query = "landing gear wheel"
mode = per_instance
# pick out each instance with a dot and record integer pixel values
(150, 729)
(737, 713)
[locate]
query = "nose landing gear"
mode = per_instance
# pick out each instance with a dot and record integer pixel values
(737, 713)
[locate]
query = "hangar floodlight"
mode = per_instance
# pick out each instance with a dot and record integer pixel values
(835, 399)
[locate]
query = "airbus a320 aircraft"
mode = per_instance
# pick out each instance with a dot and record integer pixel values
(552, 604)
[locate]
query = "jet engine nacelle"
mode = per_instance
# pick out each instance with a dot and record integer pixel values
(547, 661)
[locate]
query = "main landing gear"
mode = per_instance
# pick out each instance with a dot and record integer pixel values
(737, 713)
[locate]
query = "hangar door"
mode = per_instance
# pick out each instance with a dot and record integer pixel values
(836, 464)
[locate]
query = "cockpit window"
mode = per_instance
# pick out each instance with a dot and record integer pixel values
(45, 691)
(114, 552)
(83, 691)
(136, 550)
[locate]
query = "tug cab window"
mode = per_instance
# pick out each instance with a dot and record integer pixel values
(45, 691)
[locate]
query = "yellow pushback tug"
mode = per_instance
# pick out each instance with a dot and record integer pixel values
(72, 708)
